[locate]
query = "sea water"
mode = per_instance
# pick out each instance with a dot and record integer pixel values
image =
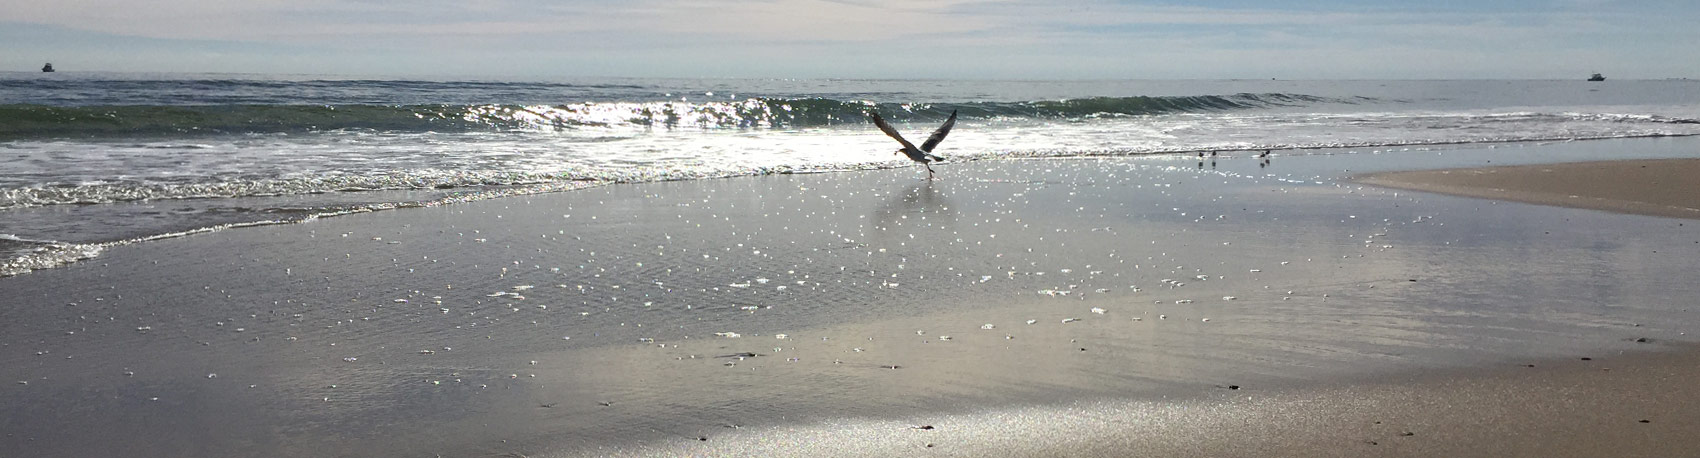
(96, 159)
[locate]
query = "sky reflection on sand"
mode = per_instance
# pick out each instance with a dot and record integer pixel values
(568, 321)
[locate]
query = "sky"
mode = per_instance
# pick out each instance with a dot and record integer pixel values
(950, 39)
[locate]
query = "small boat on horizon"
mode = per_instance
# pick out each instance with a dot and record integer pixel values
(47, 68)
(1597, 77)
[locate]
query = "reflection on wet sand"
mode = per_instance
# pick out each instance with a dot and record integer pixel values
(690, 312)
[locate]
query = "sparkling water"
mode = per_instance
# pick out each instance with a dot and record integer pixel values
(101, 159)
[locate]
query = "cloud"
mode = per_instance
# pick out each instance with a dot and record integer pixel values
(919, 38)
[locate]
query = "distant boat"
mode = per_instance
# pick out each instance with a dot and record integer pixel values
(1597, 77)
(47, 68)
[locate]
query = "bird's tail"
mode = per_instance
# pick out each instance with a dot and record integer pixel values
(934, 158)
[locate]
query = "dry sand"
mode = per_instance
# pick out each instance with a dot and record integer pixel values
(1661, 187)
(1103, 307)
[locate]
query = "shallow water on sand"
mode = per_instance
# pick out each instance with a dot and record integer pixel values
(671, 312)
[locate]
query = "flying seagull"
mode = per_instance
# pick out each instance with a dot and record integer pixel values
(924, 154)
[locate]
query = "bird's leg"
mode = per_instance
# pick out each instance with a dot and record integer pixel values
(929, 170)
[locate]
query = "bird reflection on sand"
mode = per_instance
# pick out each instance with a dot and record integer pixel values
(921, 201)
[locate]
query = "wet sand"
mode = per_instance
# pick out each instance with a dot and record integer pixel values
(1637, 405)
(1663, 187)
(1090, 307)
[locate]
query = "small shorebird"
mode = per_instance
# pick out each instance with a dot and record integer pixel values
(924, 154)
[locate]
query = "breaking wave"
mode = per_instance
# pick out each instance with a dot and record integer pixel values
(23, 121)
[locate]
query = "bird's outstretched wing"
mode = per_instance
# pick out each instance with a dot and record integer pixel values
(888, 130)
(938, 135)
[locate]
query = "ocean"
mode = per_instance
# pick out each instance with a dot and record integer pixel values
(95, 160)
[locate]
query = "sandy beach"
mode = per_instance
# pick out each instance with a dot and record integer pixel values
(1663, 187)
(1147, 306)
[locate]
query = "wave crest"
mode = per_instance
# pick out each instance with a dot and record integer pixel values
(41, 121)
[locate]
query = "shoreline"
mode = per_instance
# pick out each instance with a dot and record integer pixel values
(1085, 307)
(51, 254)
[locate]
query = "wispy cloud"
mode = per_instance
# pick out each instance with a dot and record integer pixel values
(927, 38)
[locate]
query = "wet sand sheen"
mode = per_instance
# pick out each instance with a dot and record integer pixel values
(1638, 405)
(1040, 308)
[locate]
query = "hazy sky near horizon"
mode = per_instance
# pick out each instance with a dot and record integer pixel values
(1039, 39)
